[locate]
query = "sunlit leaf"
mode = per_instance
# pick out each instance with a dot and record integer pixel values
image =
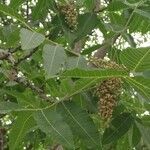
(54, 58)
(76, 62)
(29, 39)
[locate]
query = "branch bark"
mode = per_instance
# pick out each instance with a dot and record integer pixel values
(13, 76)
(25, 57)
(102, 51)
(13, 73)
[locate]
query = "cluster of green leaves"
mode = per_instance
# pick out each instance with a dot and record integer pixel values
(70, 117)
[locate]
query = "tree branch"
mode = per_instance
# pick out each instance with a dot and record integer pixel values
(27, 10)
(97, 6)
(78, 46)
(13, 73)
(25, 57)
(29, 84)
(102, 51)
(13, 76)
(4, 54)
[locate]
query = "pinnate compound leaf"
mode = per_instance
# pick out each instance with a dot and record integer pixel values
(10, 35)
(136, 59)
(20, 128)
(50, 122)
(81, 124)
(29, 39)
(6, 107)
(119, 126)
(54, 57)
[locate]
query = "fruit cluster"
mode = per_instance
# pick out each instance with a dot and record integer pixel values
(104, 64)
(107, 91)
(70, 12)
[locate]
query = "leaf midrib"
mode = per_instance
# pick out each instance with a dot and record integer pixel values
(140, 61)
(51, 64)
(21, 130)
(139, 87)
(117, 129)
(78, 123)
(54, 128)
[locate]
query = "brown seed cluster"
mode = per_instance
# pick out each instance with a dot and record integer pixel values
(107, 91)
(100, 63)
(71, 14)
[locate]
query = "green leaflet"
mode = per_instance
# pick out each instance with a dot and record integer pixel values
(10, 35)
(80, 123)
(29, 39)
(145, 132)
(68, 88)
(42, 9)
(87, 22)
(54, 58)
(15, 4)
(51, 122)
(6, 107)
(136, 135)
(20, 128)
(143, 13)
(76, 62)
(136, 59)
(119, 126)
(141, 85)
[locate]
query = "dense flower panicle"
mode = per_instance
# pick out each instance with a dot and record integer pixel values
(107, 91)
(71, 14)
